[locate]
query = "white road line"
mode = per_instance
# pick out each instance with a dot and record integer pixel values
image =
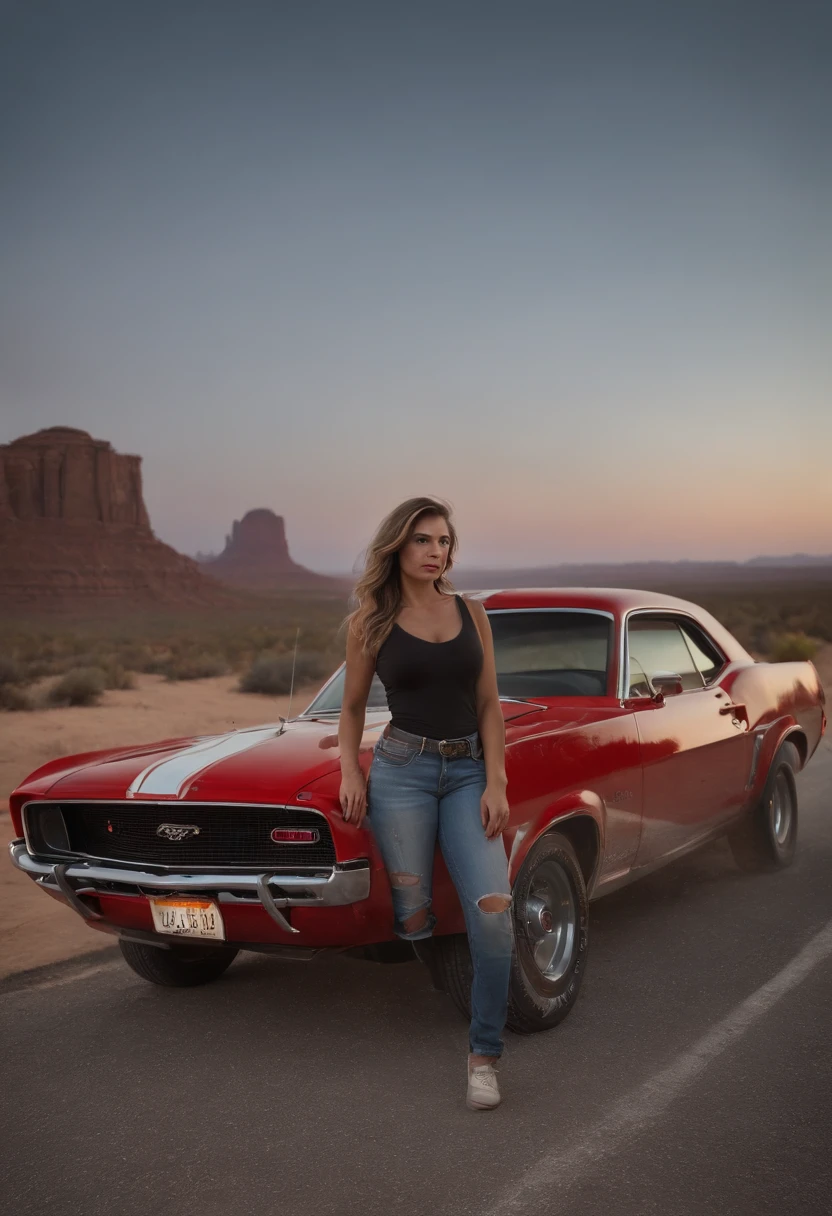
(551, 1178)
(84, 974)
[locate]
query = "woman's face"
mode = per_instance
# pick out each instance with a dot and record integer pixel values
(425, 555)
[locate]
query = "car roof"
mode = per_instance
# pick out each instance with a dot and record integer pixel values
(616, 600)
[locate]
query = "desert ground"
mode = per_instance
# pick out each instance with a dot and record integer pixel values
(36, 930)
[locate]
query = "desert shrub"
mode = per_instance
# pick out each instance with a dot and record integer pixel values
(135, 657)
(116, 676)
(790, 646)
(156, 662)
(79, 686)
(195, 667)
(36, 669)
(92, 657)
(13, 698)
(11, 671)
(272, 673)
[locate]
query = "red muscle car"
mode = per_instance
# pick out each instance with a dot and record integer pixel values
(637, 728)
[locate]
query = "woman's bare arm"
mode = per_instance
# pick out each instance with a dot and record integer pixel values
(357, 679)
(492, 729)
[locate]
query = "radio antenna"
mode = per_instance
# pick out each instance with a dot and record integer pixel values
(283, 721)
(294, 665)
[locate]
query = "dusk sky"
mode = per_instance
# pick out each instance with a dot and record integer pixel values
(566, 265)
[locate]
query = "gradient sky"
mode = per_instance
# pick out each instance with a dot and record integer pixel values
(569, 266)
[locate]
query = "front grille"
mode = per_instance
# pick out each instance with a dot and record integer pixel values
(229, 836)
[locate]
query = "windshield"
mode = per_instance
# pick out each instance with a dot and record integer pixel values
(561, 653)
(329, 701)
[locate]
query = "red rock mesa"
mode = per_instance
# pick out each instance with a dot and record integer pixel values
(73, 526)
(256, 555)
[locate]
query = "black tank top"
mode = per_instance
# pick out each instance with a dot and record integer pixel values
(431, 686)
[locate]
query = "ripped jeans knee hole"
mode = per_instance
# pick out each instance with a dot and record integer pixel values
(494, 904)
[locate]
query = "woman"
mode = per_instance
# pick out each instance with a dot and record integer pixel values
(434, 654)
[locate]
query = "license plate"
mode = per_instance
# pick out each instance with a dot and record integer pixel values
(188, 918)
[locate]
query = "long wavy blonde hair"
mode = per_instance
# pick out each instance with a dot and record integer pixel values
(378, 592)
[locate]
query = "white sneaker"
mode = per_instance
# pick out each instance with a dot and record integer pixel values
(483, 1090)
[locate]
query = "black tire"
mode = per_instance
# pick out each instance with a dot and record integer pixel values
(550, 905)
(179, 967)
(535, 1001)
(766, 838)
(449, 961)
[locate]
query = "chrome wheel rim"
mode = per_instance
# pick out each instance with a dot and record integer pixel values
(781, 808)
(549, 918)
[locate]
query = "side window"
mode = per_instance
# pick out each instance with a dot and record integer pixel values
(707, 658)
(658, 645)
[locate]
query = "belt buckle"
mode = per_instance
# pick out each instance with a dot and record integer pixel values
(454, 747)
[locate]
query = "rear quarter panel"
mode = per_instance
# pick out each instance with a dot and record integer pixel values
(783, 701)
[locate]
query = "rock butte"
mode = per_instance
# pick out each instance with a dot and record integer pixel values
(73, 526)
(256, 555)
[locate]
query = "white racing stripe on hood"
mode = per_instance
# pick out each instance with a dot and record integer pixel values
(168, 777)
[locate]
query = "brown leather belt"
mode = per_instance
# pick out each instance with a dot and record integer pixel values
(453, 749)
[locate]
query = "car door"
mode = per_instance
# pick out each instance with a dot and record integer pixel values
(695, 746)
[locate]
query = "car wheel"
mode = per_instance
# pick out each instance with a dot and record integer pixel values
(767, 837)
(551, 936)
(551, 939)
(180, 966)
(448, 960)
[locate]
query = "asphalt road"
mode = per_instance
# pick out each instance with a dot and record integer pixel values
(694, 1075)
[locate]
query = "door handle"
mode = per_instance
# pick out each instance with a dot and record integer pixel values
(739, 714)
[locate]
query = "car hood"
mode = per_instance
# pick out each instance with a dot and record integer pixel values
(264, 763)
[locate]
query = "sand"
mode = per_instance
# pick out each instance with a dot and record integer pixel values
(34, 929)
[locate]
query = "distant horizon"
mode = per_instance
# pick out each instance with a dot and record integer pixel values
(531, 561)
(796, 560)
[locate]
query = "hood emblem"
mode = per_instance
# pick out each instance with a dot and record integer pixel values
(177, 831)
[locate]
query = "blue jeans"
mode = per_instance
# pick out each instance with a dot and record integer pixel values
(413, 798)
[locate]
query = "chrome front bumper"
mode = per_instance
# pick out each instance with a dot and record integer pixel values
(336, 886)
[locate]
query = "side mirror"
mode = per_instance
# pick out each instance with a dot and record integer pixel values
(666, 683)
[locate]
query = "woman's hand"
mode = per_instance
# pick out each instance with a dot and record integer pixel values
(353, 797)
(494, 810)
